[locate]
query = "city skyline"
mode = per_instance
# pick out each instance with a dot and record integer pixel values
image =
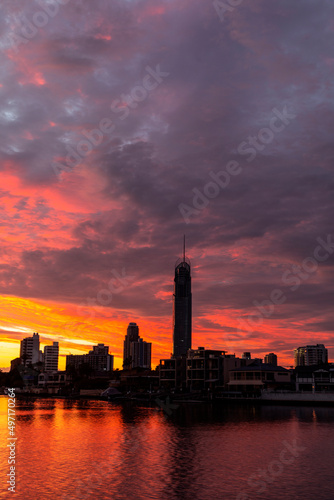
(31, 354)
(127, 124)
(183, 290)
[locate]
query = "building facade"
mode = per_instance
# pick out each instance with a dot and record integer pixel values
(75, 360)
(136, 352)
(51, 354)
(98, 359)
(252, 379)
(246, 355)
(202, 369)
(311, 355)
(208, 369)
(270, 359)
(29, 350)
(132, 335)
(182, 308)
(140, 353)
(172, 373)
(312, 379)
(52, 382)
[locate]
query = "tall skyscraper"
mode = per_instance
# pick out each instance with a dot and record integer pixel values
(51, 353)
(182, 307)
(132, 335)
(137, 352)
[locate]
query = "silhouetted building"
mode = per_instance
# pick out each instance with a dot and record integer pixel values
(140, 353)
(172, 373)
(135, 380)
(270, 359)
(15, 362)
(311, 355)
(136, 352)
(182, 308)
(29, 350)
(51, 353)
(75, 360)
(201, 369)
(98, 359)
(253, 378)
(100, 350)
(52, 382)
(208, 368)
(246, 355)
(132, 335)
(314, 378)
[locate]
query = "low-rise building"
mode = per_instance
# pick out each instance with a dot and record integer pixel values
(201, 369)
(253, 378)
(52, 382)
(172, 373)
(208, 368)
(314, 379)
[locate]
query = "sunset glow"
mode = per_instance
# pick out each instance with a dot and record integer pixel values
(115, 144)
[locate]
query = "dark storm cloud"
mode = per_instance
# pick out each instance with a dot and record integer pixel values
(225, 79)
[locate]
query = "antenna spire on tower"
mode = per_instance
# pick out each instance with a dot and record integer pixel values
(184, 248)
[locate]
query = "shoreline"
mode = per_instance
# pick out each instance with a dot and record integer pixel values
(224, 401)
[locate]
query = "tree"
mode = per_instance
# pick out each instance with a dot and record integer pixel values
(13, 379)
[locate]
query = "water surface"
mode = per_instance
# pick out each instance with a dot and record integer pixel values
(97, 450)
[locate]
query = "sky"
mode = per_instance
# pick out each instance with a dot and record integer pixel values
(126, 124)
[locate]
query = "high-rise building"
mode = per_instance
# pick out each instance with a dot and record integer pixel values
(270, 359)
(75, 360)
(137, 352)
(311, 355)
(51, 353)
(29, 350)
(98, 359)
(100, 350)
(132, 335)
(140, 352)
(182, 307)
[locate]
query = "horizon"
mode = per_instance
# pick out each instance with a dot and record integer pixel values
(62, 357)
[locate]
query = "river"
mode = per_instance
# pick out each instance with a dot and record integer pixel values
(98, 450)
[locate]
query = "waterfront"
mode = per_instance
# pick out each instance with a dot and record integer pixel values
(97, 450)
